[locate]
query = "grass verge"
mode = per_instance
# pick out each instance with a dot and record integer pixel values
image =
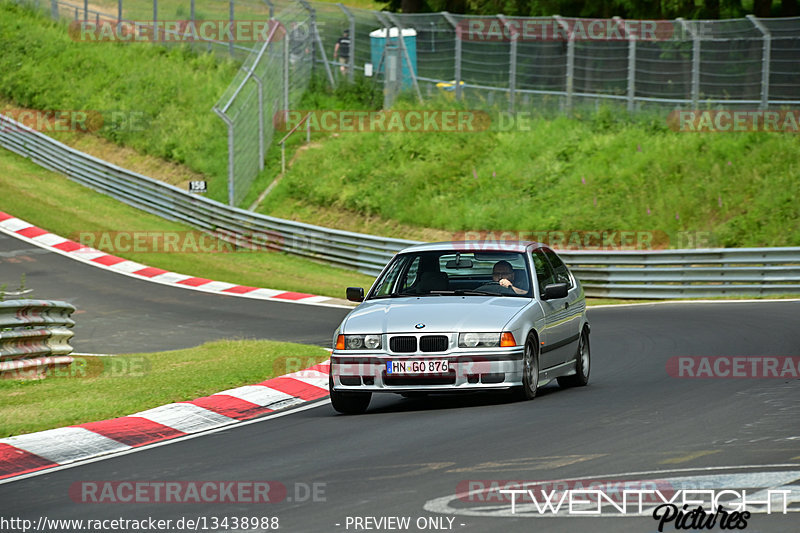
(168, 91)
(603, 171)
(99, 388)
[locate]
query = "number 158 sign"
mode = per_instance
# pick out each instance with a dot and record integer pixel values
(198, 186)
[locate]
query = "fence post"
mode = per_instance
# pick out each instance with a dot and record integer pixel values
(229, 123)
(631, 64)
(119, 10)
(312, 14)
(285, 75)
(271, 9)
(352, 24)
(86, 10)
(457, 66)
(231, 15)
(386, 65)
(155, 18)
(695, 61)
(765, 59)
(261, 148)
(512, 63)
(54, 9)
(570, 81)
(404, 51)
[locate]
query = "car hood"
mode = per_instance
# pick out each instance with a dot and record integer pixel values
(438, 313)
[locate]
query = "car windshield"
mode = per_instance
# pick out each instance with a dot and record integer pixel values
(452, 272)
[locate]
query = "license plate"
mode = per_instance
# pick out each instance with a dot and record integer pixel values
(428, 366)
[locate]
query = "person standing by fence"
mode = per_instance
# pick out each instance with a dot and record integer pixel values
(341, 52)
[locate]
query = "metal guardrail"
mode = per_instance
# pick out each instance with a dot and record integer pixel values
(612, 274)
(687, 273)
(34, 337)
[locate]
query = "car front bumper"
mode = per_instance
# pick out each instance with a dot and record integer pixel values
(479, 370)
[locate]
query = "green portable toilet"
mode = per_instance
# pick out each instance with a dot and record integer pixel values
(387, 52)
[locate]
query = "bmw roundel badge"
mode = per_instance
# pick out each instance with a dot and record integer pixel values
(419, 326)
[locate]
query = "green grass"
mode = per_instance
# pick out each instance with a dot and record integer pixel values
(99, 388)
(171, 90)
(599, 171)
(61, 206)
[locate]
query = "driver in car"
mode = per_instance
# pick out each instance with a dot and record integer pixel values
(503, 274)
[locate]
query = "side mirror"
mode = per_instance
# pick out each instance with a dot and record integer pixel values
(555, 291)
(355, 294)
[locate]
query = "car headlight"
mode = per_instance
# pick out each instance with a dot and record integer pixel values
(478, 340)
(358, 342)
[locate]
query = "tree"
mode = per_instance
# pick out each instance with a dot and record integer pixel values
(762, 8)
(629, 9)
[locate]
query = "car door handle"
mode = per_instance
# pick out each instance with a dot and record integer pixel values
(566, 305)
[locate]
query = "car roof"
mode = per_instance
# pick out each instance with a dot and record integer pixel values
(485, 245)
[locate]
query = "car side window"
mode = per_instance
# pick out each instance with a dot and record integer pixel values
(559, 268)
(544, 272)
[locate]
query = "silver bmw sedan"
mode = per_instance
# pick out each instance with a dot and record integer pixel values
(462, 316)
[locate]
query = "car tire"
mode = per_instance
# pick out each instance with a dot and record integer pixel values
(583, 358)
(530, 370)
(348, 403)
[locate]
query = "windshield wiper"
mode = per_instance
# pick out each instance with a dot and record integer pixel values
(473, 292)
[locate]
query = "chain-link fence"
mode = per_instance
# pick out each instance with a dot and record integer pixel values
(270, 81)
(510, 64)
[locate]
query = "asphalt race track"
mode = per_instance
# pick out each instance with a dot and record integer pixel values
(119, 314)
(409, 457)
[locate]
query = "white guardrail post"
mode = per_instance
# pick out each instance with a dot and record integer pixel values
(34, 337)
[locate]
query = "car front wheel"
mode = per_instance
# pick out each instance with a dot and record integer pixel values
(530, 370)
